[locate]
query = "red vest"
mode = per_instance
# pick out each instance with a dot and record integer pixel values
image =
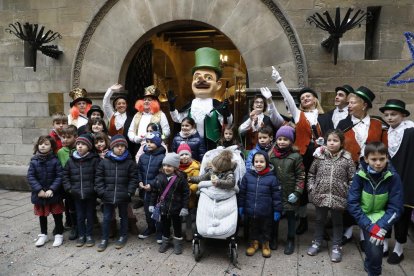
(112, 129)
(304, 133)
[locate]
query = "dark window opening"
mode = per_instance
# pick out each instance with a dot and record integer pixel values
(372, 35)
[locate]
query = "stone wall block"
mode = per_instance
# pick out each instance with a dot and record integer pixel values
(11, 135)
(6, 98)
(60, 72)
(12, 87)
(6, 149)
(201, 10)
(13, 109)
(38, 109)
(351, 51)
(31, 98)
(30, 135)
(160, 10)
(43, 123)
(220, 12)
(6, 73)
(32, 86)
(24, 149)
(143, 14)
(55, 86)
(181, 9)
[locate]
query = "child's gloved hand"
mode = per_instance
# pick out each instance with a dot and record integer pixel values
(377, 231)
(151, 209)
(292, 198)
(276, 216)
(49, 193)
(374, 239)
(41, 193)
(184, 212)
(241, 211)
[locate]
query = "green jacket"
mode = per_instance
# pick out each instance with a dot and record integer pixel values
(64, 154)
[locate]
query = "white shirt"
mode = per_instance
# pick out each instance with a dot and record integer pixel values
(80, 121)
(142, 127)
(395, 136)
(361, 128)
(120, 118)
(338, 115)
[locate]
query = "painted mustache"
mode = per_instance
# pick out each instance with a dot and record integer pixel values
(202, 85)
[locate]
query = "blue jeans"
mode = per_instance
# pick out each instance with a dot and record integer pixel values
(108, 215)
(373, 256)
(85, 210)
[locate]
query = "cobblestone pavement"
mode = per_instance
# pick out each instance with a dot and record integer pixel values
(19, 256)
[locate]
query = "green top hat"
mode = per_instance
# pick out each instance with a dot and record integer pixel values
(346, 88)
(365, 94)
(207, 58)
(394, 104)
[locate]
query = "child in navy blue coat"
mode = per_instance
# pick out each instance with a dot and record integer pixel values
(189, 135)
(260, 199)
(45, 179)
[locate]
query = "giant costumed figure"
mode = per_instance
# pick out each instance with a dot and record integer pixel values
(208, 113)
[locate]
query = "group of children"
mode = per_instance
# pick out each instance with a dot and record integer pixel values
(90, 166)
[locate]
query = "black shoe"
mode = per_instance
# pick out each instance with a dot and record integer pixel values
(121, 242)
(302, 227)
(394, 258)
(90, 241)
(385, 253)
(290, 247)
(345, 240)
(102, 245)
(362, 245)
(73, 235)
(80, 242)
(273, 244)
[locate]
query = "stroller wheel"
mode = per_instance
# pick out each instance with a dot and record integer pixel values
(196, 251)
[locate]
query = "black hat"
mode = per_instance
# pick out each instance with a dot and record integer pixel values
(307, 90)
(79, 94)
(119, 97)
(346, 88)
(93, 109)
(367, 95)
(393, 104)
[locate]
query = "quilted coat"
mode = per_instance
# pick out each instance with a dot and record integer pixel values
(196, 143)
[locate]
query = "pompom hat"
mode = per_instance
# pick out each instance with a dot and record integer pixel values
(154, 137)
(184, 148)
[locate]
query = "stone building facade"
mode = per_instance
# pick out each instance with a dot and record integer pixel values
(100, 37)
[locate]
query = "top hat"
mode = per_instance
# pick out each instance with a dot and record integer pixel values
(79, 94)
(207, 58)
(121, 96)
(367, 95)
(93, 109)
(394, 104)
(307, 90)
(151, 91)
(346, 88)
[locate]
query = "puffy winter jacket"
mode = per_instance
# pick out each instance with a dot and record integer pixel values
(290, 173)
(149, 165)
(196, 143)
(79, 176)
(116, 181)
(375, 201)
(249, 159)
(260, 195)
(177, 196)
(45, 173)
(329, 179)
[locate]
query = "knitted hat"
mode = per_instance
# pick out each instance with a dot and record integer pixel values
(154, 137)
(184, 148)
(94, 108)
(286, 131)
(86, 139)
(118, 139)
(394, 104)
(223, 161)
(171, 159)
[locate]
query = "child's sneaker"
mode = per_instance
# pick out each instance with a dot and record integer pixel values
(314, 249)
(41, 240)
(102, 245)
(81, 241)
(148, 232)
(121, 242)
(336, 254)
(159, 238)
(89, 241)
(58, 240)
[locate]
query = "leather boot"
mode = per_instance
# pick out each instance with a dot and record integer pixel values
(290, 247)
(178, 245)
(132, 226)
(266, 252)
(275, 233)
(303, 226)
(252, 249)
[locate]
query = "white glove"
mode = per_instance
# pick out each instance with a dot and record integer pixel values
(275, 74)
(376, 241)
(292, 198)
(266, 92)
(382, 232)
(184, 212)
(151, 209)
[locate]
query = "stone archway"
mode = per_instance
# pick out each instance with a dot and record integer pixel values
(263, 40)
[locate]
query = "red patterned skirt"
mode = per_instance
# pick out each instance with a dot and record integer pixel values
(47, 209)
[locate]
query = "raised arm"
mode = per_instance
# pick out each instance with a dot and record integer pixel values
(275, 117)
(289, 101)
(106, 102)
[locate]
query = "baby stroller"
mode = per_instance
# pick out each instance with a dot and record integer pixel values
(217, 208)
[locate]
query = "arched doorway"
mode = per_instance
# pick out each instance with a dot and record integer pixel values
(167, 56)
